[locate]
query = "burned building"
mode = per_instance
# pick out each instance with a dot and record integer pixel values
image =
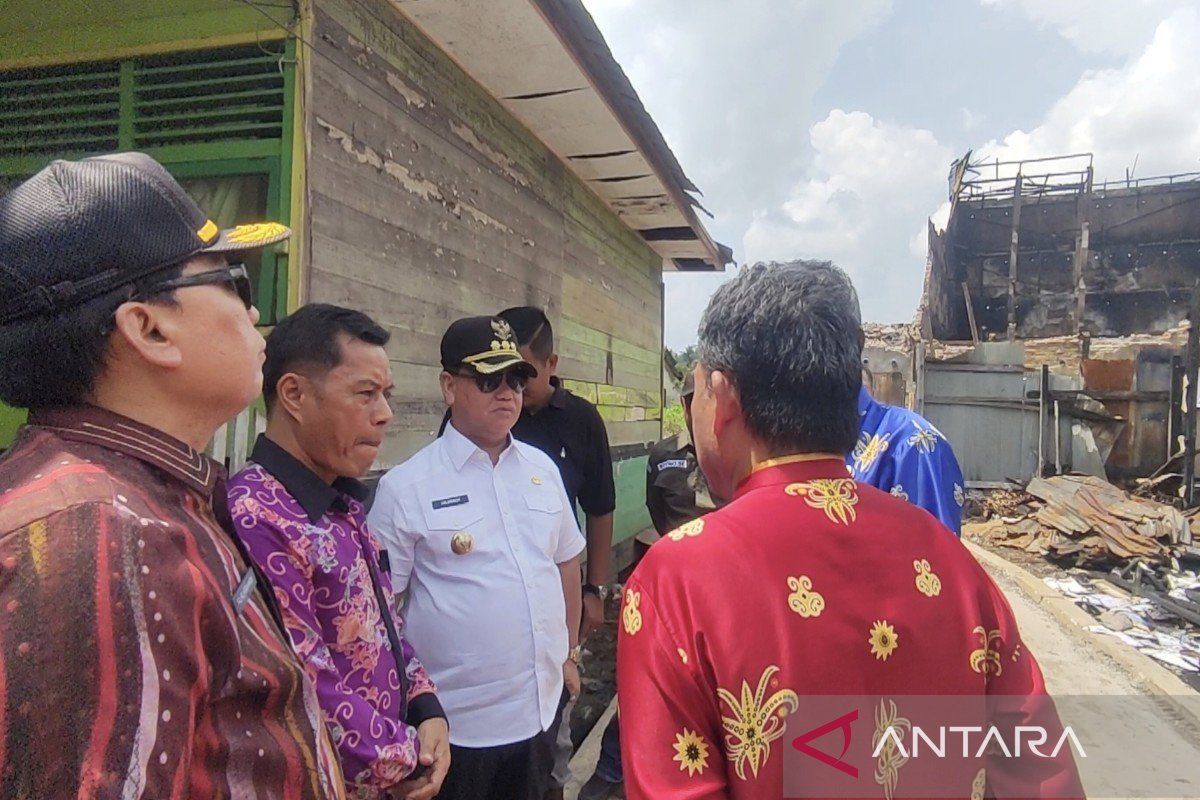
(1055, 310)
(1035, 249)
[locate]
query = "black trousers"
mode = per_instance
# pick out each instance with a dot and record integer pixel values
(517, 771)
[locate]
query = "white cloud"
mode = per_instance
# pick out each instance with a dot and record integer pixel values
(1097, 26)
(730, 85)
(1147, 110)
(870, 180)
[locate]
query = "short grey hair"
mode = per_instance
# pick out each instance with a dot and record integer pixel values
(787, 336)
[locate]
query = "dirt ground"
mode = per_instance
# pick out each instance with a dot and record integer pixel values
(599, 673)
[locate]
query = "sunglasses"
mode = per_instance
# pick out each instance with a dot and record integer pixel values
(235, 276)
(490, 383)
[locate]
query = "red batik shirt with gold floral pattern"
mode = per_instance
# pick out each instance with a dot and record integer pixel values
(807, 584)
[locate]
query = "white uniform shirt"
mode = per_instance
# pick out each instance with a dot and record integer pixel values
(489, 624)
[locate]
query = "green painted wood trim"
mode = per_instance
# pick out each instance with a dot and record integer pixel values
(572, 330)
(35, 33)
(125, 119)
(287, 165)
(11, 420)
(171, 155)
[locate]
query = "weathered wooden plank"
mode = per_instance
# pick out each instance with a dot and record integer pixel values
(354, 130)
(364, 187)
(572, 369)
(604, 340)
(593, 307)
(622, 433)
(464, 114)
(404, 256)
(469, 288)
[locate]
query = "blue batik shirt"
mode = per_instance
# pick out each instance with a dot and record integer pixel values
(900, 452)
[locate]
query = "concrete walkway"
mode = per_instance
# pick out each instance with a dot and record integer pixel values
(583, 763)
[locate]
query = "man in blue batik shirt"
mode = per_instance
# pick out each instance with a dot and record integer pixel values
(900, 452)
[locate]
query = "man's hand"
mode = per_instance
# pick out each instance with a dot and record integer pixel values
(434, 735)
(593, 615)
(571, 678)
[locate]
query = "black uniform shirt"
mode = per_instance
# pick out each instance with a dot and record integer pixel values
(676, 491)
(570, 430)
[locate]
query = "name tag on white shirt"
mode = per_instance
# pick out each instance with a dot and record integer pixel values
(451, 502)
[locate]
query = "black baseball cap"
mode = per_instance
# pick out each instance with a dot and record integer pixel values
(80, 229)
(689, 384)
(484, 345)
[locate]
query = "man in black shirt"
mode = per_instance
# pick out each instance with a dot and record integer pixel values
(676, 491)
(570, 430)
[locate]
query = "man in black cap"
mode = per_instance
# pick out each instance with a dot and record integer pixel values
(128, 608)
(569, 429)
(483, 541)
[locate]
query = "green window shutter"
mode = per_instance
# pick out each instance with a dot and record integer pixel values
(218, 96)
(220, 120)
(68, 109)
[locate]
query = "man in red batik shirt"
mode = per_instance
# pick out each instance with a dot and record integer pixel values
(809, 585)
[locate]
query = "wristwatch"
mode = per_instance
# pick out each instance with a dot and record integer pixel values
(576, 654)
(599, 591)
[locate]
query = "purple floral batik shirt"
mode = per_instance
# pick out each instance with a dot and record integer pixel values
(311, 540)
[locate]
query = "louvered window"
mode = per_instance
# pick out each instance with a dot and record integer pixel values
(59, 110)
(220, 120)
(179, 100)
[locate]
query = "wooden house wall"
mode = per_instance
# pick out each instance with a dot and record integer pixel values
(428, 201)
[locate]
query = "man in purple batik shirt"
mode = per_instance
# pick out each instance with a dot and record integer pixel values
(299, 509)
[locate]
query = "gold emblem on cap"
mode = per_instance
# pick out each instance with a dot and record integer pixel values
(504, 336)
(208, 232)
(462, 543)
(536, 481)
(258, 232)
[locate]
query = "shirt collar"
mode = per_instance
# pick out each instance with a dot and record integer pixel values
(793, 472)
(559, 398)
(683, 442)
(122, 435)
(460, 449)
(314, 495)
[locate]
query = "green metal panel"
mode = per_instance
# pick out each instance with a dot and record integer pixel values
(631, 514)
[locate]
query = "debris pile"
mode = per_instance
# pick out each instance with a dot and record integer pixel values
(1140, 622)
(1084, 519)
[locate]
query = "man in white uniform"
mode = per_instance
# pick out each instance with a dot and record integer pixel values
(484, 544)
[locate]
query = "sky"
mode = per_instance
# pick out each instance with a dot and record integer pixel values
(823, 129)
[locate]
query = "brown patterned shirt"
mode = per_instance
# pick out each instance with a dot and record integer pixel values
(137, 658)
